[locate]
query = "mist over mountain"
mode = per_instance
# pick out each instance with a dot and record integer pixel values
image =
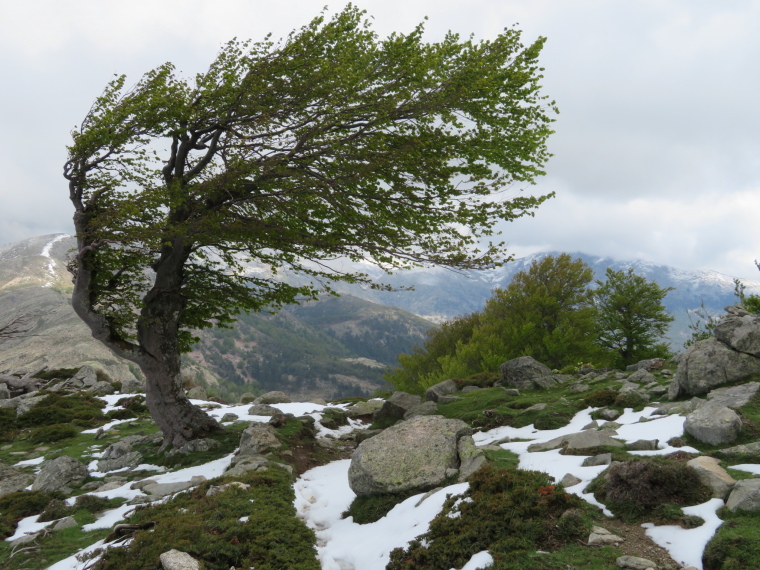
(330, 348)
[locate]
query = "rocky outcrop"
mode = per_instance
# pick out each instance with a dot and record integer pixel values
(709, 364)
(361, 409)
(526, 373)
(418, 454)
(714, 424)
(60, 474)
(741, 333)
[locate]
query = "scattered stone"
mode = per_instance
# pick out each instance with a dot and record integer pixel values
(581, 440)
(569, 480)
(197, 445)
(101, 388)
(602, 537)
(420, 453)
(513, 392)
(132, 385)
(526, 373)
(429, 408)
(66, 522)
(117, 456)
(274, 397)
(263, 410)
(670, 408)
(60, 474)
(360, 409)
(243, 464)
(643, 445)
(468, 389)
(593, 425)
(610, 414)
(396, 406)
(258, 439)
(657, 391)
(197, 393)
(229, 417)
(85, 377)
(164, 489)
(178, 560)
(434, 393)
(642, 376)
(712, 475)
(215, 490)
(247, 397)
(578, 388)
(635, 563)
(646, 365)
(714, 424)
(536, 408)
(24, 403)
(746, 449)
(13, 480)
(735, 396)
(99, 488)
(471, 457)
(745, 496)
(601, 459)
(5, 393)
(709, 364)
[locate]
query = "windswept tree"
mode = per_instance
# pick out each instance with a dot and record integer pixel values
(332, 143)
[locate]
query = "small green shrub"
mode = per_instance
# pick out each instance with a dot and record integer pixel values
(53, 433)
(631, 400)
(8, 427)
(135, 404)
(16, 506)
(372, 508)
(121, 414)
(736, 544)
(85, 409)
(601, 398)
(643, 489)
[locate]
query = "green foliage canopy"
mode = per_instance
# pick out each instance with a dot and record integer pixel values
(331, 143)
(631, 317)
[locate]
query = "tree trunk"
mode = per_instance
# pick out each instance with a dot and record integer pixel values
(158, 335)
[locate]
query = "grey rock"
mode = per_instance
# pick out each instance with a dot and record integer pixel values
(657, 391)
(670, 408)
(467, 389)
(420, 453)
(361, 409)
(447, 399)
(13, 480)
(610, 414)
(643, 445)
(593, 425)
(735, 396)
(197, 393)
(25, 403)
(713, 424)
(601, 459)
(132, 385)
(646, 365)
(198, 446)
(247, 397)
(106, 486)
(66, 522)
(216, 490)
(628, 387)
(578, 388)
(709, 364)
(178, 560)
(60, 474)
(526, 373)
(745, 496)
(25, 539)
(397, 405)
(119, 455)
(164, 489)
(434, 393)
(229, 417)
(746, 449)
(514, 392)
(741, 333)
(569, 480)
(243, 464)
(258, 439)
(101, 388)
(274, 397)
(263, 410)
(429, 408)
(471, 457)
(602, 537)
(635, 563)
(712, 475)
(85, 377)
(5, 393)
(581, 440)
(642, 376)
(536, 407)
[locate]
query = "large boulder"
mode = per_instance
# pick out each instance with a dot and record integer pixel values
(439, 391)
(274, 397)
(63, 473)
(418, 454)
(712, 475)
(117, 456)
(745, 496)
(588, 439)
(258, 439)
(734, 396)
(132, 385)
(713, 423)
(526, 373)
(741, 333)
(708, 364)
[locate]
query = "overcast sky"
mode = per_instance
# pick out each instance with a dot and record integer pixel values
(656, 150)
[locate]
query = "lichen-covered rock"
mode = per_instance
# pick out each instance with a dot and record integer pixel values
(709, 364)
(197, 393)
(367, 408)
(418, 454)
(13, 480)
(429, 408)
(118, 456)
(735, 396)
(642, 376)
(132, 385)
(714, 424)
(581, 440)
(258, 439)
(526, 373)
(63, 473)
(741, 333)
(263, 410)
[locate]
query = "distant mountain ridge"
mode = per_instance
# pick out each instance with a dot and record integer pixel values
(334, 347)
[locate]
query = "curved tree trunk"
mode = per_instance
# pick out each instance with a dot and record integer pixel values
(158, 335)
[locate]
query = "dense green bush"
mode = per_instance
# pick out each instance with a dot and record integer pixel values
(16, 506)
(52, 433)
(85, 409)
(505, 511)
